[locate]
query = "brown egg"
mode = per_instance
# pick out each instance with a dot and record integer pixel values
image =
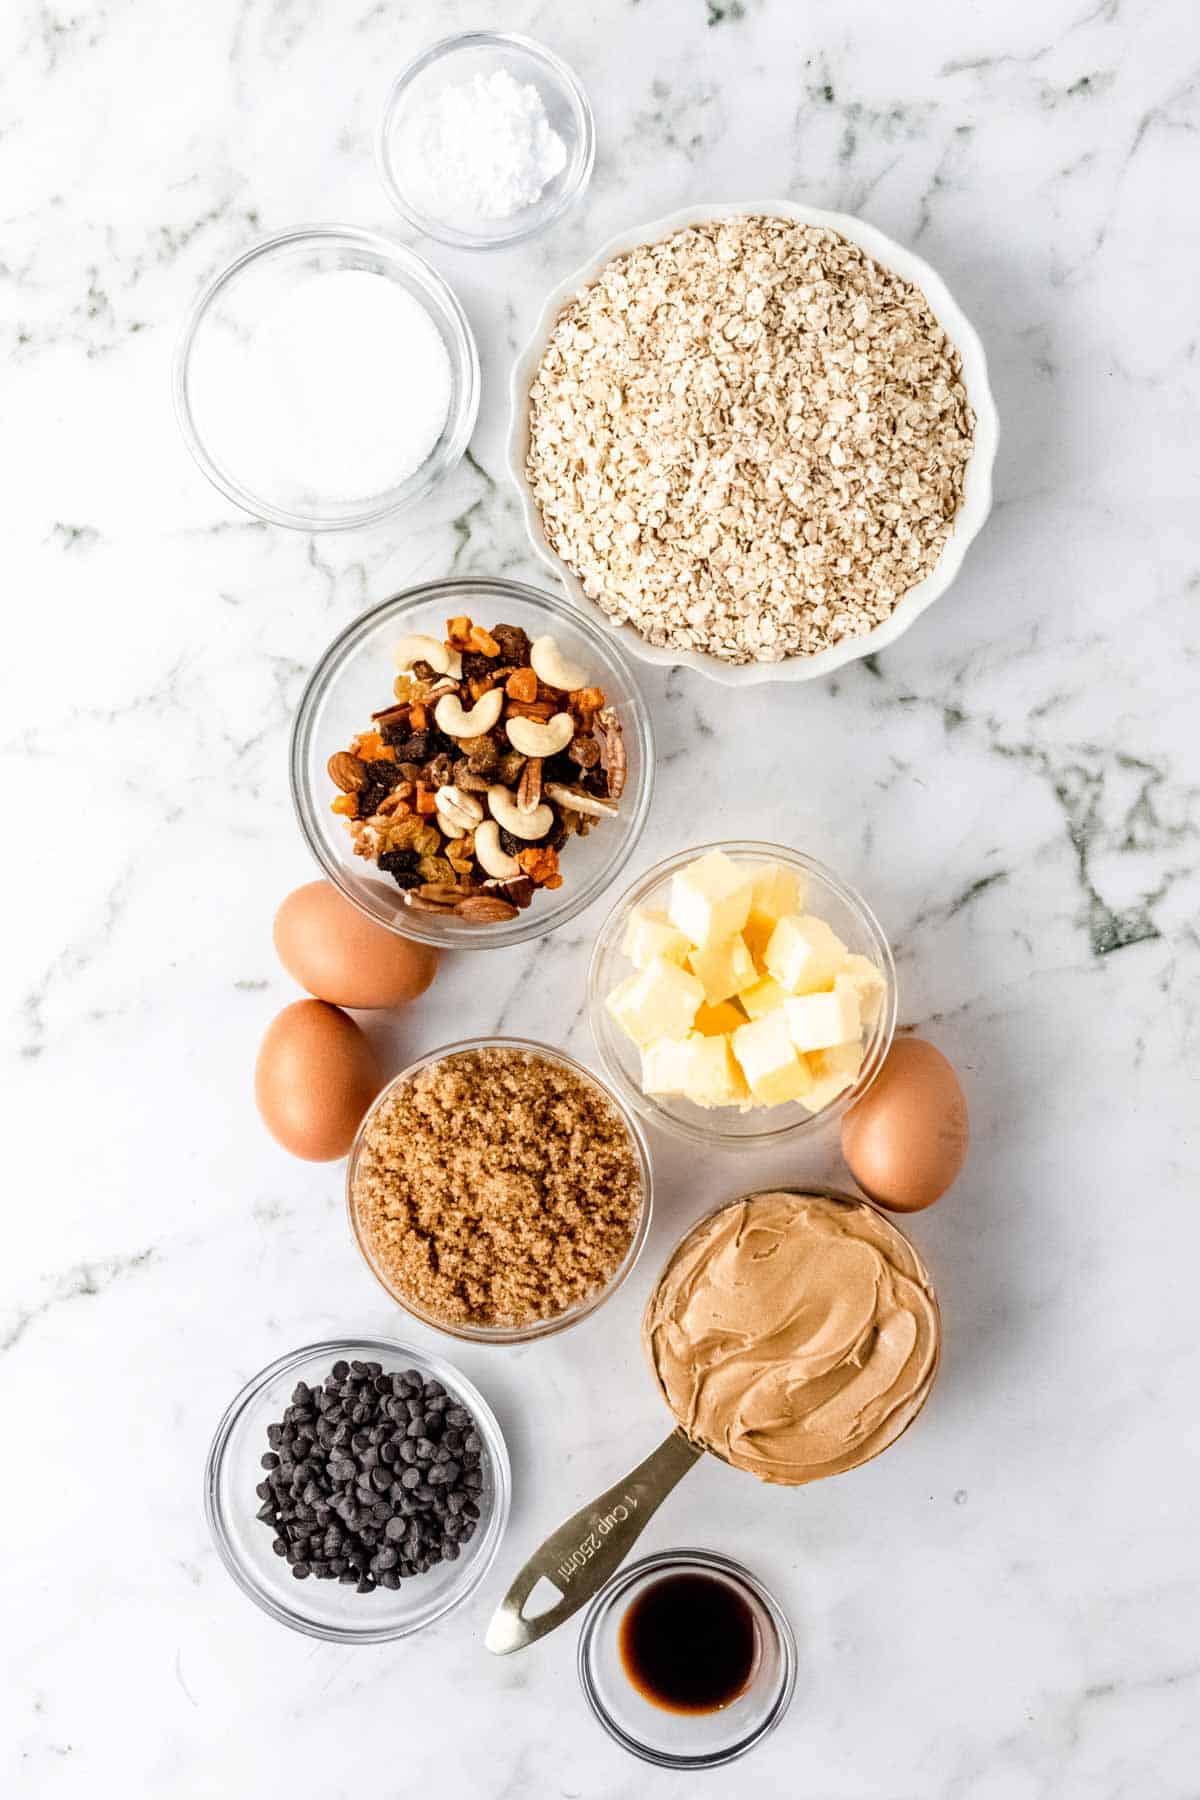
(315, 1077)
(340, 955)
(906, 1139)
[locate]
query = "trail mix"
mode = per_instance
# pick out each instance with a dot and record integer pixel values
(495, 751)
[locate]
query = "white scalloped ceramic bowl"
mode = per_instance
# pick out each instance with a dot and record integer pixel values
(977, 486)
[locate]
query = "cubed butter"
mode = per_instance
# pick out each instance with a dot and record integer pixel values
(712, 1077)
(860, 973)
(764, 997)
(769, 1062)
(649, 934)
(659, 1001)
(832, 1073)
(725, 967)
(665, 1066)
(819, 1021)
(710, 899)
(804, 954)
(776, 892)
(715, 1021)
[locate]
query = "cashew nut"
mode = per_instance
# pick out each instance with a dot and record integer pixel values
(420, 648)
(491, 857)
(482, 716)
(549, 665)
(532, 738)
(458, 812)
(528, 826)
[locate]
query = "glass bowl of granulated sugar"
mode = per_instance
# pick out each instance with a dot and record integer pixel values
(486, 138)
(326, 378)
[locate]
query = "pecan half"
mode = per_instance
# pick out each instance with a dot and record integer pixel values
(529, 788)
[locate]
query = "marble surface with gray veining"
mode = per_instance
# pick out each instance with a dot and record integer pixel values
(1007, 1606)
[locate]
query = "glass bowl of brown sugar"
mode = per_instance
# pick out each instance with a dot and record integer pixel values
(499, 1190)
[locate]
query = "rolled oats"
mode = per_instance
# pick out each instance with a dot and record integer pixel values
(748, 439)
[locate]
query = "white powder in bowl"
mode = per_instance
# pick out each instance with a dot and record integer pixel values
(334, 389)
(481, 149)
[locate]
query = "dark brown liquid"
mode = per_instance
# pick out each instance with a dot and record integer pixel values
(688, 1643)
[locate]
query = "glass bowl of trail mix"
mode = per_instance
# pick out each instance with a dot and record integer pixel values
(472, 762)
(358, 1490)
(499, 1191)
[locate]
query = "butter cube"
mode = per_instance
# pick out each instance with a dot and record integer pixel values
(764, 997)
(861, 973)
(659, 1001)
(833, 1071)
(769, 1061)
(715, 1021)
(803, 954)
(725, 968)
(819, 1021)
(665, 1066)
(650, 934)
(777, 891)
(713, 1077)
(710, 899)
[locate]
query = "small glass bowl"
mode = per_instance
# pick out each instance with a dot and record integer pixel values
(826, 895)
(458, 59)
(508, 1334)
(228, 311)
(326, 1609)
(354, 679)
(685, 1740)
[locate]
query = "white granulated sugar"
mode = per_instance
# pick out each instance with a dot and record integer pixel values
(338, 390)
(481, 149)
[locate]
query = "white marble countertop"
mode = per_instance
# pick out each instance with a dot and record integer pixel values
(1005, 1607)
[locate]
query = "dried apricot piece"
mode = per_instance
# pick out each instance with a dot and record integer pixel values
(346, 805)
(522, 684)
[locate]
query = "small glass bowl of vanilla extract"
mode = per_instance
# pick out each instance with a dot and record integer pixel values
(686, 1659)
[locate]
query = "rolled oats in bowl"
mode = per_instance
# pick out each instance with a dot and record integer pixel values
(748, 439)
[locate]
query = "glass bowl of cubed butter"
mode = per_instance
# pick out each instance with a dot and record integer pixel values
(742, 991)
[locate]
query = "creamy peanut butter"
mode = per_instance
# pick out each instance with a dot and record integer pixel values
(794, 1334)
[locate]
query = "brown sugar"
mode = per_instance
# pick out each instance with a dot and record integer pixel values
(497, 1187)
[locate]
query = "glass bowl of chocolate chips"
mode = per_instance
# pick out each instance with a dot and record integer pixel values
(472, 762)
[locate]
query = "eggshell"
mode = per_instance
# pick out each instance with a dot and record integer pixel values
(342, 956)
(315, 1077)
(906, 1139)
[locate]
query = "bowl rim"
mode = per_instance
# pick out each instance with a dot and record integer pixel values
(977, 481)
(460, 347)
(543, 1328)
(648, 1106)
(584, 157)
(451, 1377)
(683, 1557)
(632, 815)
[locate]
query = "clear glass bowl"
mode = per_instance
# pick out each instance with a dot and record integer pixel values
(832, 900)
(457, 59)
(354, 679)
(692, 1740)
(208, 407)
(508, 1334)
(326, 1609)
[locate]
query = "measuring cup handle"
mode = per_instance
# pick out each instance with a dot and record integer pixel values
(579, 1557)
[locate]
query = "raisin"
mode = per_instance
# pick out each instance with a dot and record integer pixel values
(401, 865)
(561, 769)
(415, 748)
(424, 671)
(475, 666)
(513, 642)
(512, 846)
(557, 835)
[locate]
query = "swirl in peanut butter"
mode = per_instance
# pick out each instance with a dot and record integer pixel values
(794, 1334)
